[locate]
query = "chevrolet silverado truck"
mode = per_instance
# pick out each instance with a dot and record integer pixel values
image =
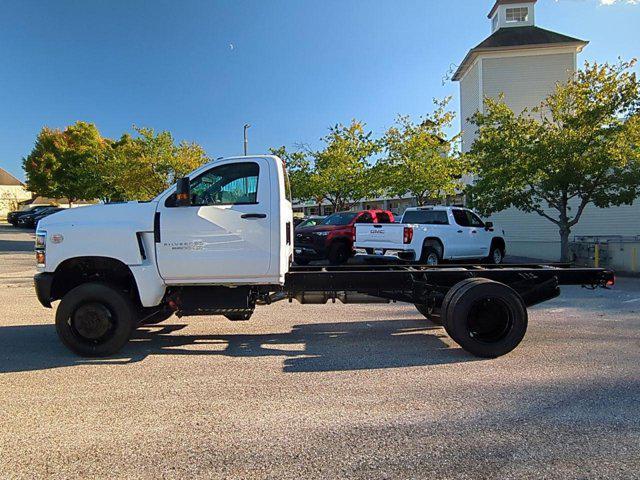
(220, 242)
(431, 234)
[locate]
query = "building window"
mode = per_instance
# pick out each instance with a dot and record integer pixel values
(518, 14)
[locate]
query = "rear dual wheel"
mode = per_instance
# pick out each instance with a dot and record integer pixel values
(486, 318)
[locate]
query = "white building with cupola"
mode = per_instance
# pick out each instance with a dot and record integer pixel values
(524, 62)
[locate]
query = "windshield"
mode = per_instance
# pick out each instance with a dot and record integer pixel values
(310, 222)
(343, 218)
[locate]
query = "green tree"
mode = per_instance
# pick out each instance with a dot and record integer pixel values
(581, 146)
(67, 163)
(340, 173)
(141, 166)
(299, 168)
(421, 160)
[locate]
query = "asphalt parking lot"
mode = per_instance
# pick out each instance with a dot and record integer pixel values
(330, 391)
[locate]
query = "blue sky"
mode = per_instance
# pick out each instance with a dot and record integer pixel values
(201, 69)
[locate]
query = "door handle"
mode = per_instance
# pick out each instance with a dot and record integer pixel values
(459, 231)
(474, 231)
(254, 215)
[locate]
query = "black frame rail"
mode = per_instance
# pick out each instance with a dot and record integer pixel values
(428, 284)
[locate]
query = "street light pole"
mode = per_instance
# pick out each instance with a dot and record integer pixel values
(246, 139)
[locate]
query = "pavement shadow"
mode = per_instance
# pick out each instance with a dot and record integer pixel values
(7, 246)
(320, 347)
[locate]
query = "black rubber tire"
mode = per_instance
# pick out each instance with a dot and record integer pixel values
(424, 310)
(149, 317)
(301, 261)
(123, 319)
(427, 252)
(452, 291)
(239, 317)
(488, 319)
(491, 258)
(338, 254)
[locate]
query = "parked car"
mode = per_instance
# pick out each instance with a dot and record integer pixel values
(310, 221)
(30, 220)
(332, 239)
(13, 217)
(432, 234)
(45, 213)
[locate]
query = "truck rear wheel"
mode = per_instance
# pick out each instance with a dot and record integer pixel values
(486, 318)
(95, 319)
(430, 256)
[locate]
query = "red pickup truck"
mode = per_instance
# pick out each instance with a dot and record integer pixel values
(333, 238)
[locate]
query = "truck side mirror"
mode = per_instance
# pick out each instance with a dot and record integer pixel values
(488, 225)
(183, 192)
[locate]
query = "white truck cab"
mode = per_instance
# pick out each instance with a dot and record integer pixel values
(236, 229)
(431, 234)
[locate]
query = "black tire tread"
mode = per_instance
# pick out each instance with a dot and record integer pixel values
(96, 291)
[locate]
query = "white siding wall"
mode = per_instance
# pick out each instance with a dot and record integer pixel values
(525, 80)
(530, 235)
(469, 104)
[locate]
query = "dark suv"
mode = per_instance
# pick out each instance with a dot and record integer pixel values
(332, 239)
(13, 217)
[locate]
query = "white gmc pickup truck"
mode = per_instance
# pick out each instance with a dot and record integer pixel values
(220, 242)
(431, 234)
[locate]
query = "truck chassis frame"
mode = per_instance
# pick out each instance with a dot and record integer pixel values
(483, 308)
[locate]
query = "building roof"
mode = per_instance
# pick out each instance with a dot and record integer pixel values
(512, 38)
(38, 200)
(7, 179)
(506, 2)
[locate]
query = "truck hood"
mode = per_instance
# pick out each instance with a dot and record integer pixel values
(137, 216)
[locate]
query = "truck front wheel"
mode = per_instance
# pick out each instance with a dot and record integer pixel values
(496, 254)
(95, 319)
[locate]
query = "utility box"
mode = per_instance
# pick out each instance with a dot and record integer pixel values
(620, 253)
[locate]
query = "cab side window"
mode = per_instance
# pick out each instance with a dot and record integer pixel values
(461, 218)
(232, 184)
(474, 220)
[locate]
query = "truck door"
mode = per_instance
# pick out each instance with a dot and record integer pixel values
(463, 236)
(225, 233)
(482, 236)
